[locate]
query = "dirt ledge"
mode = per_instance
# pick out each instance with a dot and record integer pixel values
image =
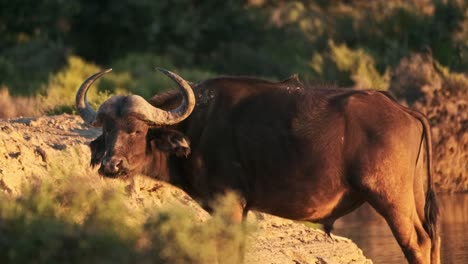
(39, 147)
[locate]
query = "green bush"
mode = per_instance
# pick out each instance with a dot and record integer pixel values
(72, 219)
(386, 30)
(24, 68)
(136, 73)
(350, 68)
(58, 224)
(218, 238)
(58, 94)
(272, 39)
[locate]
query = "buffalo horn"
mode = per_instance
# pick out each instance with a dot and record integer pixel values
(182, 111)
(84, 108)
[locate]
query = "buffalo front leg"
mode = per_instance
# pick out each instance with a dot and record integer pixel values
(231, 241)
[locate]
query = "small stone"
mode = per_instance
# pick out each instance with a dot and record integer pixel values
(14, 155)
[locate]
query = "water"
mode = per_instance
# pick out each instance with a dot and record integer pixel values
(371, 233)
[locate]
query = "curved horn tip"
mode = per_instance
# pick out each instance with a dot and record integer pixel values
(163, 70)
(108, 70)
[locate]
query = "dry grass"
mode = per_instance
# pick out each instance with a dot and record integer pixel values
(19, 106)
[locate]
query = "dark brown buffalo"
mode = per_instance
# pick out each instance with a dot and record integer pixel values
(303, 154)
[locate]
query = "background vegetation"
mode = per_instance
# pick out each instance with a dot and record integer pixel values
(351, 43)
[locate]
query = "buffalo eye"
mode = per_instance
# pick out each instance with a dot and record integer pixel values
(136, 133)
(107, 129)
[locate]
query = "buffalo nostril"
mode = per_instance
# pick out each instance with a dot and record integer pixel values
(116, 165)
(112, 166)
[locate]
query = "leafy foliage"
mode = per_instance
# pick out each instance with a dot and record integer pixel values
(26, 66)
(72, 220)
(265, 38)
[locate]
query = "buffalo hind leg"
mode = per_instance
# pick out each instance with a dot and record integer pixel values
(427, 211)
(399, 210)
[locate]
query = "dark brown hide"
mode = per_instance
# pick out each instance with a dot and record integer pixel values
(303, 154)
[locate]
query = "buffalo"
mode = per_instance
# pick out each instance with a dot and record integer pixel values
(297, 152)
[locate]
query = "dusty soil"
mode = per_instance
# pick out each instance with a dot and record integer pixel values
(48, 146)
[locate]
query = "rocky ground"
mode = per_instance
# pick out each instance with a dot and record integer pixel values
(45, 146)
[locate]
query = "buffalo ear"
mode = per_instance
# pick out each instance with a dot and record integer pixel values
(98, 149)
(171, 141)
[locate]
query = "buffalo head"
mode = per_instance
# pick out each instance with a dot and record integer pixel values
(136, 136)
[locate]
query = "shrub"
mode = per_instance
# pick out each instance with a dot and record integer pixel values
(133, 74)
(349, 67)
(59, 93)
(414, 78)
(218, 238)
(74, 219)
(58, 224)
(26, 66)
(136, 74)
